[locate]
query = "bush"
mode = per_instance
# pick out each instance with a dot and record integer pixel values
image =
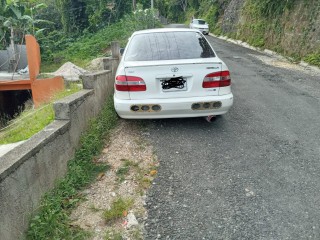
(91, 45)
(313, 59)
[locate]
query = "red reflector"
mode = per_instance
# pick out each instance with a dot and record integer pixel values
(130, 84)
(217, 79)
(211, 84)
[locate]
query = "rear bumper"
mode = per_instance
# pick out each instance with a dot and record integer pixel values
(172, 108)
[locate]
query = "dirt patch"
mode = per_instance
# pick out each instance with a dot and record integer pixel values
(133, 167)
(281, 62)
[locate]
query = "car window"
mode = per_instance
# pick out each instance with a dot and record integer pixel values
(201, 22)
(168, 46)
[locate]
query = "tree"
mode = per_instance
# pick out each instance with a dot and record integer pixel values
(73, 15)
(19, 19)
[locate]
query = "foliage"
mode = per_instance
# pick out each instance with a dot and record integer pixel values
(313, 59)
(118, 207)
(52, 222)
(73, 15)
(254, 28)
(17, 18)
(92, 45)
(31, 121)
(272, 8)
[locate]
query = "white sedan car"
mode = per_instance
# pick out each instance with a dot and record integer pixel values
(171, 73)
(201, 25)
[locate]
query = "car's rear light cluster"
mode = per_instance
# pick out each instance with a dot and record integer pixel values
(130, 84)
(217, 79)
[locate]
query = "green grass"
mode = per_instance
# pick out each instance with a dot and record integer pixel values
(313, 59)
(118, 207)
(52, 220)
(31, 121)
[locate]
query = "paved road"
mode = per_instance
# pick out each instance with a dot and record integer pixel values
(252, 174)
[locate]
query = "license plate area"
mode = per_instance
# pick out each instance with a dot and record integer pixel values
(173, 84)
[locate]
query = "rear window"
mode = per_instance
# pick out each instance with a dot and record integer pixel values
(201, 22)
(168, 46)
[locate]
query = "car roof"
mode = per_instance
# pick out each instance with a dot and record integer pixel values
(160, 30)
(199, 19)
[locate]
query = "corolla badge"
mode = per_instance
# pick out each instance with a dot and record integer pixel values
(174, 69)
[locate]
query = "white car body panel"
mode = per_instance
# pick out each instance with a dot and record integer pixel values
(174, 102)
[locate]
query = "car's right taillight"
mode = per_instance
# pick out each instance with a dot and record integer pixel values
(130, 84)
(217, 79)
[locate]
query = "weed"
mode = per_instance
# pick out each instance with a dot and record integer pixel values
(313, 59)
(118, 206)
(144, 181)
(122, 172)
(113, 235)
(52, 221)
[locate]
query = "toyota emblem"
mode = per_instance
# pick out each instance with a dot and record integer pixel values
(174, 69)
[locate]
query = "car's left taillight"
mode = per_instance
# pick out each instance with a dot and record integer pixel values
(125, 83)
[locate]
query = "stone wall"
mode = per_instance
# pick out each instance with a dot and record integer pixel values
(31, 169)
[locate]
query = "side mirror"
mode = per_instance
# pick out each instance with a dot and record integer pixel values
(121, 51)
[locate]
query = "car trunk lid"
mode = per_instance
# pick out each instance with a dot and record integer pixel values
(173, 78)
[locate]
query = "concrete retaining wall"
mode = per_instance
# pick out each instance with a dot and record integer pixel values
(31, 169)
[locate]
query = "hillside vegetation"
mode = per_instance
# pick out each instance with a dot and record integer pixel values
(290, 27)
(72, 30)
(80, 30)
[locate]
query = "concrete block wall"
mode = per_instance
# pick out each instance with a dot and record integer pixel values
(31, 169)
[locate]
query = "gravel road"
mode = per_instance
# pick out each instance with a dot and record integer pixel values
(254, 173)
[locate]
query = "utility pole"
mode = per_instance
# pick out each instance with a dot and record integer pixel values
(151, 4)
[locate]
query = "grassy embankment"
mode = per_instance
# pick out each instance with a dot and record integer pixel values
(52, 220)
(287, 27)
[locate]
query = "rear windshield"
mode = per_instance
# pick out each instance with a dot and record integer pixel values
(201, 22)
(168, 46)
